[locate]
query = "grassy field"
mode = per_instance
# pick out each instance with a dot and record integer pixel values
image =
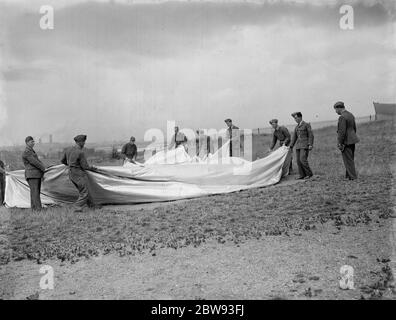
(353, 221)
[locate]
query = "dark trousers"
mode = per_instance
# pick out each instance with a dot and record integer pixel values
(302, 162)
(35, 189)
(2, 189)
(79, 179)
(348, 156)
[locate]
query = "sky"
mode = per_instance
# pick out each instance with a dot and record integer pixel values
(112, 69)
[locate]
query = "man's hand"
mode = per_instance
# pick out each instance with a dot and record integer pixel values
(310, 147)
(341, 147)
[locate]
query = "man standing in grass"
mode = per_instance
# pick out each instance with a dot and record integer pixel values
(347, 139)
(303, 140)
(232, 133)
(34, 173)
(74, 157)
(129, 150)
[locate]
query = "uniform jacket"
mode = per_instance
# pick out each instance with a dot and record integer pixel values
(282, 134)
(34, 168)
(129, 150)
(74, 157)
(302, 136)
(347, 129)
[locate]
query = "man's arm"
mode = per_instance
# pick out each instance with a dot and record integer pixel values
(310, 135)
(274, 139)
(64, 159)
(134, 153)
(342, 126)
(287, 135)
(294, 139)
(123, 150)
(34, 162)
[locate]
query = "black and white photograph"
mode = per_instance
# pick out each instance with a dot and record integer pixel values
(197, 155)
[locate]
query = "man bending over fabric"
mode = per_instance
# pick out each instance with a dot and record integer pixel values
(282, 135)
(129, 150)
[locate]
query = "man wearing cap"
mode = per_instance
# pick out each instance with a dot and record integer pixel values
(347, 139)
(74, 157)
(129, 150)
(303, 139)
(34, 172)
(231, 133)
(282, 134)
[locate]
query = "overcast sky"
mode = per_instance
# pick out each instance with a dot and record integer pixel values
(112, 69)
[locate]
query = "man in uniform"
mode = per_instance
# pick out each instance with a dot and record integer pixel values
(34, 172)
(178, 139)
(347, 139)
(74, 157)
(303, 139)
(282, 134)
(129, 151)
(2, 182)
(231, 134)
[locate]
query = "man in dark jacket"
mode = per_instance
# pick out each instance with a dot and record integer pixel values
(129, 150)
(34, 172)
(74, 157)
(280, 133)
(303, 140)
(347, 139)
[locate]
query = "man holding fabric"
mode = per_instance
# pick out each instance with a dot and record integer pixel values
(34, 173)
(303, 139)
(74, 157)
(282, 134)
(129, 150)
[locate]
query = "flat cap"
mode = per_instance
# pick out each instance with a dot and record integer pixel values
(273, 121)
(80, 138)
(339, 104)
(228, 120)
(298, 114)
(28, 138)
